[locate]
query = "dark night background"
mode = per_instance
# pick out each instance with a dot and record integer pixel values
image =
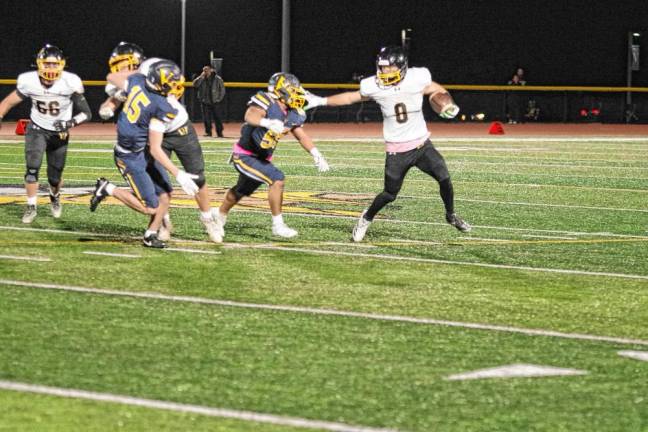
(462, 42)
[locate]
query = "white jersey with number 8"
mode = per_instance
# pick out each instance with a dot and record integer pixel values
(401, 105)
(49, 103)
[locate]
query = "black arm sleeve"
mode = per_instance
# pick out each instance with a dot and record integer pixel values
(81, 105)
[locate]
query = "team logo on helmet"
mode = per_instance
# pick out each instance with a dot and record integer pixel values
(50, 63)
(165, 77)
(391, 56)
(126, 56)
(287, 88)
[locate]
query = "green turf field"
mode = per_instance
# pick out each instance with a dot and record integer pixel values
(319, 333)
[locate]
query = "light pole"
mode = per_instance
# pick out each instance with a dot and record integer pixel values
(285, 36)
(183, 37)
(633, 65)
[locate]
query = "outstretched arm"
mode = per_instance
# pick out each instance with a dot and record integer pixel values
(340, 99)
(307, 144)
(12, 99)
(118, 79)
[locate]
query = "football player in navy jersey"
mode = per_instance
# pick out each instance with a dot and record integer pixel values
(179, 136)
(140, 128)
(270, 115)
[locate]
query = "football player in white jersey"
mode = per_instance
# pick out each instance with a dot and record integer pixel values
(55, 96)
(399, 92)
(179, 136)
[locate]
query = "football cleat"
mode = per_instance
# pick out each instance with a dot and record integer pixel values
(457, 222)
(30, 214)
(99, 193)
(55, 205)
(220, 218)
(283, 230)
(153, 241)
(214, 229)
(361, 227)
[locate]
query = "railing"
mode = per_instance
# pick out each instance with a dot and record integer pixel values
(554, 103)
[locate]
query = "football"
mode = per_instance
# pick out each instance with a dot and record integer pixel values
(438, 101)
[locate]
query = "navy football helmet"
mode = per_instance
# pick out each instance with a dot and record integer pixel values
(391, 56)
(287, 88)
(165, 77)
(50, 63)
(126, 54)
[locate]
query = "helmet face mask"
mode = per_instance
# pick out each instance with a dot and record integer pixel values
(125, 56)
(166, 78)
(50, 63)
(391, 56)
(287, 88)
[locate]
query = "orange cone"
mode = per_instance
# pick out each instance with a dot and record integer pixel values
(496, 128)
(20, 126)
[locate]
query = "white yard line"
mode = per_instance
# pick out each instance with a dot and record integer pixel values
(328, 312)
(195, 251)
(547, 237)
(25, 258)
(528, 204)
(118, 255)
(250, 416)
(461, 263)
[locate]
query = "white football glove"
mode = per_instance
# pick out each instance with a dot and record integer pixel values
(187, 183)
(275, 125)
(449, 111)
(320, 162)
(313, 101)
(106, 113)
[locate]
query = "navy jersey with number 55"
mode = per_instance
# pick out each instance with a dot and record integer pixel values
(141, 106)
(260, 140)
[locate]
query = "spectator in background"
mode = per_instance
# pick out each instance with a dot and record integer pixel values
(521, 76)
(515, 99)
(210, 91)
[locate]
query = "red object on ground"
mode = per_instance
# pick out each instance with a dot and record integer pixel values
(20, 126)
(496, 128)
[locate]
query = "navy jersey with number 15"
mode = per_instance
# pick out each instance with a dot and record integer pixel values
(141, 106)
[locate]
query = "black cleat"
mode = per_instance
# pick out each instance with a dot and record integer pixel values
(457, 222)
(99, 193)
(153, 241)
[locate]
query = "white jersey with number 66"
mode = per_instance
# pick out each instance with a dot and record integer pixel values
(401, 105)
(49, 103)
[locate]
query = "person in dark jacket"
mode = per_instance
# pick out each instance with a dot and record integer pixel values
(211, 91)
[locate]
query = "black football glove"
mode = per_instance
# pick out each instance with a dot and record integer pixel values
(64, 125)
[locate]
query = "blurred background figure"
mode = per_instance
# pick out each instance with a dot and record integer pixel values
(210, 90)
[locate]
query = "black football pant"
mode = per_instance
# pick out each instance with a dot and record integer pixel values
(211, 113)
(427, 159)
(184, 142)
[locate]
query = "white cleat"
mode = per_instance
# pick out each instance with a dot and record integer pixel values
(283, 230)
(30, 214)
(361, 227)
(214, 229)
(220, 219)
(55, 206)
